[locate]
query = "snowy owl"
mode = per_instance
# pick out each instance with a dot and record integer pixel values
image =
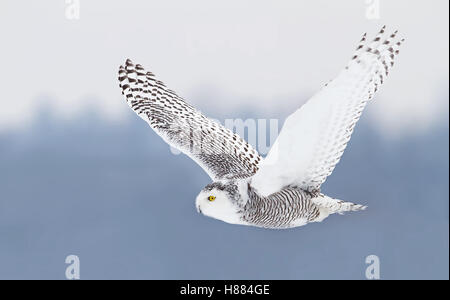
(282, 190)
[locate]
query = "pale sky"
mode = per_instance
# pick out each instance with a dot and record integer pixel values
(265, 54)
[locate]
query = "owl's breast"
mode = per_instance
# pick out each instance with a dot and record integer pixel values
(290, 207)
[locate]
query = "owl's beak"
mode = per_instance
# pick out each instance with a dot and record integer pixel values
(199, 210)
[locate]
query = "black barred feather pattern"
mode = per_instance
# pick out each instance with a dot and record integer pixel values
(287, 208)
(219, 151)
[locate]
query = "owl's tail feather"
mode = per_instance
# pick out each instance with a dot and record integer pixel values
(328, 206)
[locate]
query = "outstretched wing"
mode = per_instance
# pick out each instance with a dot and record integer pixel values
(219, 151)
(314, 137)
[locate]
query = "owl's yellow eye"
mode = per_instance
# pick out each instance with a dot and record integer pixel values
(211, 198)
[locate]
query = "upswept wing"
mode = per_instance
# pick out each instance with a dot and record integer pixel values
(314, 137)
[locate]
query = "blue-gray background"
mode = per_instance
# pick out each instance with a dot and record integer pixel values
(109, 190)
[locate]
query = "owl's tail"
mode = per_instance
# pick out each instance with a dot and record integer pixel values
(328, 206)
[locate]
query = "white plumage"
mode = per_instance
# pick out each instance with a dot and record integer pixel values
(314, 137)
(283, 190)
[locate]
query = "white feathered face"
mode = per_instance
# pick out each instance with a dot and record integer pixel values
(216, 203)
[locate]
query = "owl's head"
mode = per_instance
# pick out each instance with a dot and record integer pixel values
(222, 201)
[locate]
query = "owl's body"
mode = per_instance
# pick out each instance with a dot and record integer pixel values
(290, 207)
(282, 190)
